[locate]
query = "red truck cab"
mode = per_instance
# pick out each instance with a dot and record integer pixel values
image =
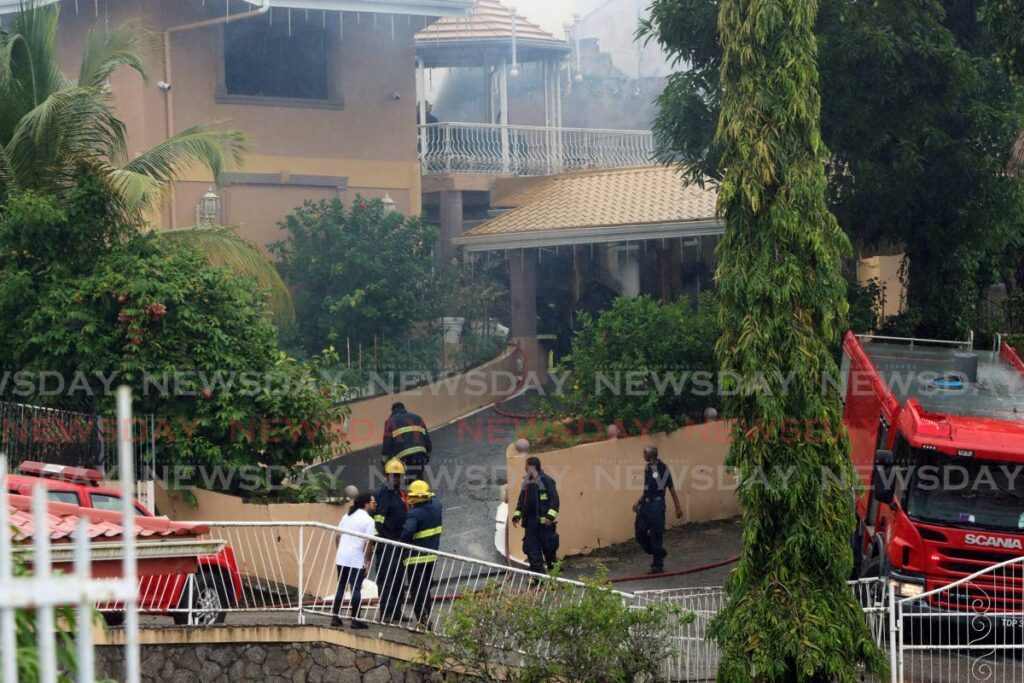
(217, 584)
(937, 438)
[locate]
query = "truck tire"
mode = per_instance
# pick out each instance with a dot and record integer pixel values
(208, 601)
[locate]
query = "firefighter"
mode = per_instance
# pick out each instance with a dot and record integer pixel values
(650, 509)
(537, 508)
(392, 510)
(407, 439)
(422, 529)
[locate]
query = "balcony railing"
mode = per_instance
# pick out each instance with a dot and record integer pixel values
(495, 149)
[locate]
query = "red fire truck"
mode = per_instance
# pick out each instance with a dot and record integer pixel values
(215, 586)
(937, 435)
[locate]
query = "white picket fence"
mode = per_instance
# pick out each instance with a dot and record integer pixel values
(44, 590)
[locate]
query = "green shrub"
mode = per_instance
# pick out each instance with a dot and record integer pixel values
(193, 341)
(554, 632)
(635, 366)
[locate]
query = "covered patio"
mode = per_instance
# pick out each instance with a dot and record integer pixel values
(576, 241)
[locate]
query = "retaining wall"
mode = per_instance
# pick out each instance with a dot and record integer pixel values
(598, 483)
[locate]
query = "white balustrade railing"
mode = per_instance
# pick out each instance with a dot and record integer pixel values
(496, 149)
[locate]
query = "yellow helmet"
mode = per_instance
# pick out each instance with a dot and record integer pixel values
(419, 489)
(394, 467)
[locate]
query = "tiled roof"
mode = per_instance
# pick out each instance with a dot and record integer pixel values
(648, 195)
(488, 20)
(63, 519)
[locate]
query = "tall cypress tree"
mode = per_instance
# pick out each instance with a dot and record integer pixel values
(790, 615)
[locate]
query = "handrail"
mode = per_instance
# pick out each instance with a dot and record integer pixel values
(968, 343)
(498, 127)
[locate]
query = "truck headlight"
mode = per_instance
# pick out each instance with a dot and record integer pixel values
(906, 589)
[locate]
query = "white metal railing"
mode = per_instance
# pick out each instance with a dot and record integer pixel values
(43, 590)
(966, 344)
(969, 630)
(697, 656)
(496, 149)
(288, 568)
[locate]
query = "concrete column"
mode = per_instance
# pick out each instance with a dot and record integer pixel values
(451, 224)
(522, 275)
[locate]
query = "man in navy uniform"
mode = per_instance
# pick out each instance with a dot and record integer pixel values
(422, 529)
(406, 438)
(537, 508)
(392, 510)
(650, 509)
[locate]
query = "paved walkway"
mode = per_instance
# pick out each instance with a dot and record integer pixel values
(467, 470)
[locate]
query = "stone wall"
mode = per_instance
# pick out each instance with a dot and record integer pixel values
(273, 662)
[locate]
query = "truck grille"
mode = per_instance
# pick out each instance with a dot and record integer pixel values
(999, 590)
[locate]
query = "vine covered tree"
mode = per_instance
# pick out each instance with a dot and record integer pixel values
(790, 616)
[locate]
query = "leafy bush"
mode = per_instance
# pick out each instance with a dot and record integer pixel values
(635, 365)
(192, 340)
(547, 633)
(357, 274)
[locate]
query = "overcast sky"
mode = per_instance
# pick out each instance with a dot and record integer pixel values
(550, 14)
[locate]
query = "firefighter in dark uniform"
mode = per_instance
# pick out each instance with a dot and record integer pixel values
(392, 510)
(406, 438)
(650, 509)
(422, 529)
(537, 508)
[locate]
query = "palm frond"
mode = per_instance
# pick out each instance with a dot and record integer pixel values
(70, 126)
(138, 192)
(217, 150)
(222, 246)
(108, 49)
(30, 62)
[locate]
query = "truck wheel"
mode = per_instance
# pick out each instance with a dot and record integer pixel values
(208, 601)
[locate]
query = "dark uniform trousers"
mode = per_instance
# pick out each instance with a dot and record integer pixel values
(419, 575)
(650, 528)
(540, 544)
(390, 580)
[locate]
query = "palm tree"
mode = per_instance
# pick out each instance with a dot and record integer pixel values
(53, 128)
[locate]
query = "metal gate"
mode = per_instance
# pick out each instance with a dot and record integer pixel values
(64, 437)
(969, 630)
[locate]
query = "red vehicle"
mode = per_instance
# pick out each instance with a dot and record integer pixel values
(918, 415)
(215, 586)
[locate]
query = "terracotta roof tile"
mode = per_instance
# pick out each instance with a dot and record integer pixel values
(63, 518)
(488, 20)
(596, 199)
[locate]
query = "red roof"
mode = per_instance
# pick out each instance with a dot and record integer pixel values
(63, 519)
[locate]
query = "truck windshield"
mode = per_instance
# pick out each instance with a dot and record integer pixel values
(966, 492)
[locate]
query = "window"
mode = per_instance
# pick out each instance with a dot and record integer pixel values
(63, 497)
(102, 501)
(276, 58)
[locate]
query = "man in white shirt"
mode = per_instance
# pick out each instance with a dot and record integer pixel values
(354, 553)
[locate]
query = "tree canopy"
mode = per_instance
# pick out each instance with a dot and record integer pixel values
(920, 120)
(790, 615)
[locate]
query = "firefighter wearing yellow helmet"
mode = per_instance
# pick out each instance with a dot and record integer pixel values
(422, 529)
(392, 511)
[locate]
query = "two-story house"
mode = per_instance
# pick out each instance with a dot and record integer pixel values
(325, 90)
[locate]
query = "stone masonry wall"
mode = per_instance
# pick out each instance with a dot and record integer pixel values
(270, 662)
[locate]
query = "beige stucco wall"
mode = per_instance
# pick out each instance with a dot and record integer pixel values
(437, 403)
(371, 141)
(598, 483)
(885, 269)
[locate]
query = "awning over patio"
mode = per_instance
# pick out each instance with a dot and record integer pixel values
(593, 207)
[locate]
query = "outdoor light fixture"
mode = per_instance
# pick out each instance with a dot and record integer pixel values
(388, 202)
(208, 208)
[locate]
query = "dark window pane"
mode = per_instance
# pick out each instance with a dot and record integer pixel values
(63, 497)
(101, 501)
(263, 60)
